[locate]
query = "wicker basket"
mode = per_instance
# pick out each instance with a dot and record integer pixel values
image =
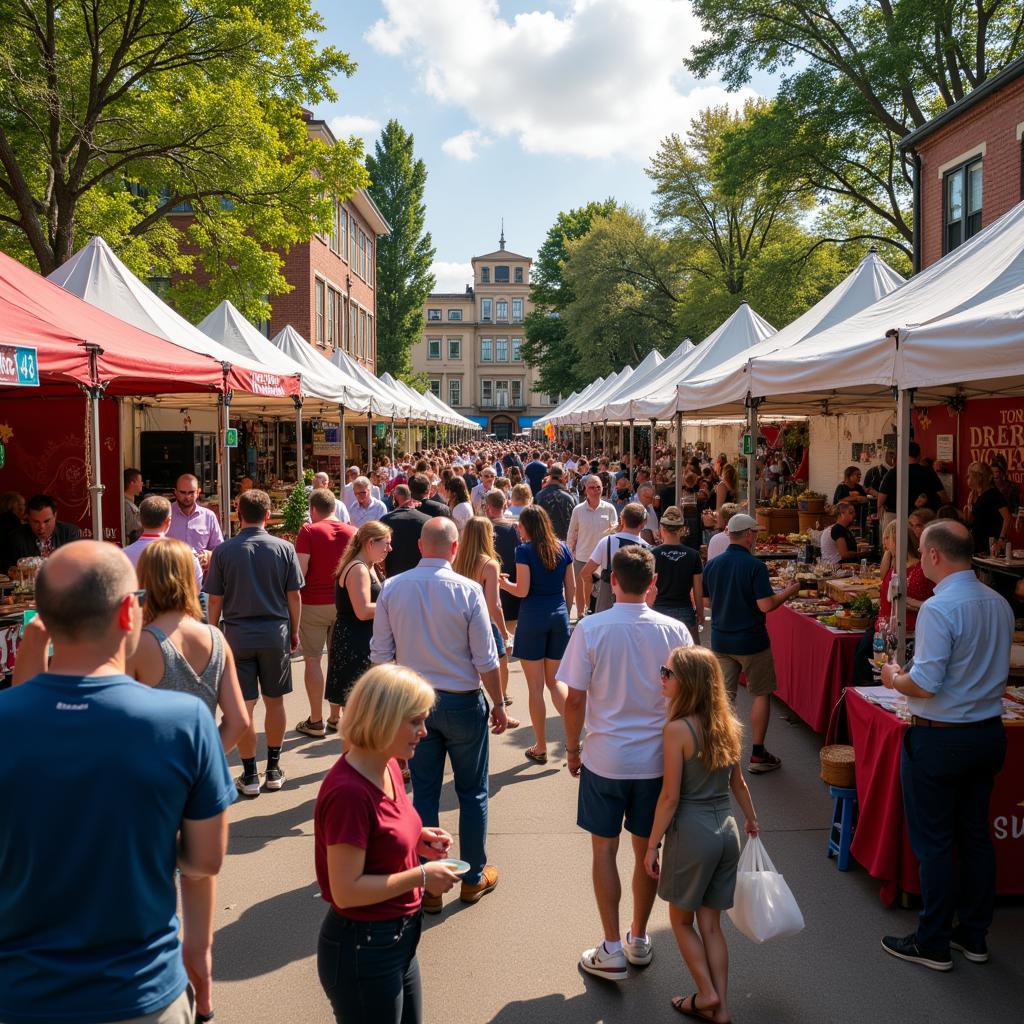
(837, 763)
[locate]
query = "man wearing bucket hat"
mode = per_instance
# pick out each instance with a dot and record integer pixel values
(740, 591)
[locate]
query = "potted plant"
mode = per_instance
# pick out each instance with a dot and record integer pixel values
(810, 501)
(296, 508)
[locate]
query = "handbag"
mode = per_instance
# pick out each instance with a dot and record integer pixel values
(764, 906)
(602, 598)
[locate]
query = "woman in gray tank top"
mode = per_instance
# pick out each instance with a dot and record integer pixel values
(697, 877)
(177, 650)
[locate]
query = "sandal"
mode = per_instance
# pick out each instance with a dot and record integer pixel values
(507, 702)
(309, 728)
(332, 724)
(512, 723)
(538, 756)
(679, 1005)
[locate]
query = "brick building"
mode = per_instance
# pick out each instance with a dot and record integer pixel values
(968, 164)
(471, 348)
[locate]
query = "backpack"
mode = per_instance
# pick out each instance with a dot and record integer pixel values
(602, 597)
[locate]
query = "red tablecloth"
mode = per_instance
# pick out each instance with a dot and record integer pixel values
(812, 664)
(881, 844)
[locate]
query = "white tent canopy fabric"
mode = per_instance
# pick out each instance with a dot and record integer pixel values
(646, 371)
(595, 398)
(354, 397)
(387, 401)
(575, 401)
(418, 408)
(739, 332)
(95, 274)
(621, 407)
(722, 389)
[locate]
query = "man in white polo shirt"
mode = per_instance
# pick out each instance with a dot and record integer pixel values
(488, 475)
(591, 520)
(612, 667)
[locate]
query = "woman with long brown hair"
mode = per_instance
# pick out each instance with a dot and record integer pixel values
(547, 584)
(356, 589)
(478, 561)
(727, 489)
(702, 845)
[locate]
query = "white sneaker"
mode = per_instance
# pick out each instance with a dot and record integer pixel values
(602, 964)
(639, 952)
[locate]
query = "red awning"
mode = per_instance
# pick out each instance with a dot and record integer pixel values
(36, 313)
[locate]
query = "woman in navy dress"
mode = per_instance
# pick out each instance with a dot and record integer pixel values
(545, 582)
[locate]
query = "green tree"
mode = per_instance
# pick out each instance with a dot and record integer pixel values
(858, 76)
(404, 257)
(115, 113)
(624, 285)
(546, 345)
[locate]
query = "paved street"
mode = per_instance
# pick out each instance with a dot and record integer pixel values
(511, 959)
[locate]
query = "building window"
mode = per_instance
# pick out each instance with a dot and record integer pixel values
(371, 341)
(332, 312)
(350, 250)
(485, 275)
(501, 350)
(362, 334)
(353, 321)
(320, 313)
(486, 305)
(435, 387)
(517, 350)
(455, 392)
(501, 275)
(433, 348)
(501, 394)
(486, 350)
(502, 307)
(519, 275)
(553, 399)
(333, 241)
(343, 231)
(486, 393)
(517, 311)
(454, 314)
(339, 322)
(454, 348)
(433, 314)
(962, 204)
(517, 392)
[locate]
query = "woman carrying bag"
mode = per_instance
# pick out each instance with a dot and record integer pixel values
(697, 877)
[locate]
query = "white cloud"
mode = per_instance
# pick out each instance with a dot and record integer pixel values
(451, 277)
(465, 145)
(594, 78)
(353, 124)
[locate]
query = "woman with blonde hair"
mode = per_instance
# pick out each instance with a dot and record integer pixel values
(522, 496)
(356, 589)
(987, 512)
(727, 489)
(546, 581)
(369, 848)
(702, 844)
(478, 561)
(177, 650)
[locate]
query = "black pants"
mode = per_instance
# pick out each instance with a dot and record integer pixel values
(369, 969)
(947, 776)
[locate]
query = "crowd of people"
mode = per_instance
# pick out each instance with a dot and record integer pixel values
(419, 582)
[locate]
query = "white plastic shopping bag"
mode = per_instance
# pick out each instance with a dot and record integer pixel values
(763, 907)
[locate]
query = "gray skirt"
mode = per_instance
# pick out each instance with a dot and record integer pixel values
(699, 858)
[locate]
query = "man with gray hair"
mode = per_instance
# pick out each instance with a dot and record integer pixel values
(322, 482)
(94, 936)
(591, 520)
(488, 475)
(434, 621)
(645, 496)
(155, 518)
(364, 506)
(556, 500)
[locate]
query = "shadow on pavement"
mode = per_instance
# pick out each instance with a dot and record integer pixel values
(603, 1001)
(259, 830)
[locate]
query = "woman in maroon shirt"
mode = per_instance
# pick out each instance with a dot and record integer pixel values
(368, 841)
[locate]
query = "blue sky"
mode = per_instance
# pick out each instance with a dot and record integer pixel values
(519, 110)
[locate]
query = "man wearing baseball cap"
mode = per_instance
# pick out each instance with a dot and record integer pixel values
(740, 592)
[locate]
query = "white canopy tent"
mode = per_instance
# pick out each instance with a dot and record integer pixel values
(387, 403)
(574, 401)
(619, 406)
(645, 374)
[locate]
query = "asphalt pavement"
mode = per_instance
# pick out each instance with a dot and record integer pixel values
(512, 958)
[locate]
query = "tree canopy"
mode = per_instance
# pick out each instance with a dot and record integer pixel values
(405, 256)
(114, 114)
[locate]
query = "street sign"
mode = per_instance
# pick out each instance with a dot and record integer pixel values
(748, 448)
(231, 437)
(19, 366)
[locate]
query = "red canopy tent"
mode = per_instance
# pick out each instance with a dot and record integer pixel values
(53, 343)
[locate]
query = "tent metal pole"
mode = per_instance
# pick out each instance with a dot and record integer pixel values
(632, 452)
(752, 404)
(654, 427)
(604, 438)
(622, 450)
(369, 443)
(904, 403)
(679, 455)
(341, 447)
(408, 435)
(96, 487)
(300, 469)
(120, 469)
(225, 491)
(392, 442)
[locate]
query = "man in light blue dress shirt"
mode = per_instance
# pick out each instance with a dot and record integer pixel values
(953, 750)
(434, 621)
(363, 507)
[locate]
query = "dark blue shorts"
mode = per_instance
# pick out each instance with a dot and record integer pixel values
(541, 632)
(499, 641)
(604, 804)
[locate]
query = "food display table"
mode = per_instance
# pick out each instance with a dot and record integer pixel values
(813, 662)
(1014, 567)
(880, 843)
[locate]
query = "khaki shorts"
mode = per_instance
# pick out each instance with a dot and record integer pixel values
(315, 626)
(758, 668)
(179, 1012)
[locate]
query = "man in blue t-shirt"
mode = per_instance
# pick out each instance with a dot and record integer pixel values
(535, 472)
(89, 836)
(741, 595)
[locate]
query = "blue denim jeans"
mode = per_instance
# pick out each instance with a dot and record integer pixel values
(369, 971)
(457, 727)
(947, 777)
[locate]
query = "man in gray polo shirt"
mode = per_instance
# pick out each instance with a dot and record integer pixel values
(253, 584)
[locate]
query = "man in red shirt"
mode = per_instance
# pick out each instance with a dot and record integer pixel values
(319, 546)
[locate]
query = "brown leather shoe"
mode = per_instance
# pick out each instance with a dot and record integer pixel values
(488, 881)
(431, 904)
